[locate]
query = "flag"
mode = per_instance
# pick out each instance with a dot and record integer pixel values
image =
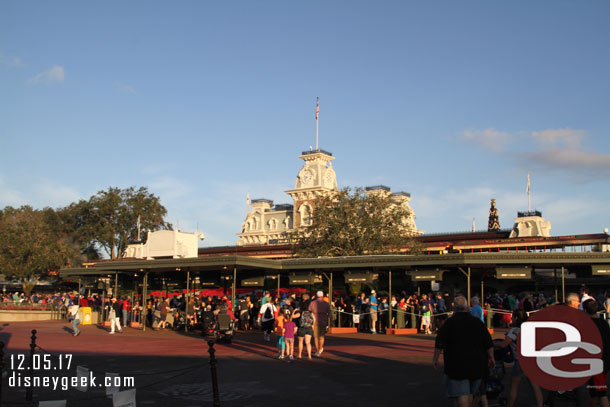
(528, 183)
(317, 107)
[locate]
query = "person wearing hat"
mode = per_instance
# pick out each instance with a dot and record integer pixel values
(113, 316)
(321, 311)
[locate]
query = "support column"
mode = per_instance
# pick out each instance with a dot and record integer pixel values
(563, 284)
(116, 285)
(144, 301)
(330, 299)
(469, 286)
(555, 284)
(186, 305)
(234, 290)
(389, 298)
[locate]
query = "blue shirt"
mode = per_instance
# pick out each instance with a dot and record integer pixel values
(477, 311)
(373, 301)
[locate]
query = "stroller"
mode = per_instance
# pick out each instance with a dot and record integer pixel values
(224, 328)
(496, 375)
(208, 324)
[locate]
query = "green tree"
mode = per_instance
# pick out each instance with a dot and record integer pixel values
(351, 223)
(109, 219)
(31, 244)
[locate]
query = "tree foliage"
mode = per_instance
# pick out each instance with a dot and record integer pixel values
(351, 223)
(109, 219)
(31, 244)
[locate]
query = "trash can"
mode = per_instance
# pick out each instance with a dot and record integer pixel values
(86, 311)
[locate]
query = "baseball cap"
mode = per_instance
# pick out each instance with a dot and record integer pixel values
(373, 291)
(319, 294)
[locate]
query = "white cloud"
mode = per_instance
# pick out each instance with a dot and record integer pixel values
(10, 60)
(552, 149)
(124, 88)
(490, 138)
(55, 74)
(569, 138)
(39, 194)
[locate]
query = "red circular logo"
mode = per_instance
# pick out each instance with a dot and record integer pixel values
(560, 348)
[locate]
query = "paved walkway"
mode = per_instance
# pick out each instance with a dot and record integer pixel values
(173, 367)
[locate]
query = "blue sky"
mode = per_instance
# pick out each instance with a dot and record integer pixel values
(204, 101)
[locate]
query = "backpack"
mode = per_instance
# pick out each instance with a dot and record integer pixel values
(268, 313)
(306, 319)
(425, 307)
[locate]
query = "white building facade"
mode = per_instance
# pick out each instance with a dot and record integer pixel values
(267, 223)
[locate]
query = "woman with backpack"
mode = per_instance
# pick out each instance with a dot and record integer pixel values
(266, 315)
(306, 319)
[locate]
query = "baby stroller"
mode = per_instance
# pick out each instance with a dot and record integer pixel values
(208, 324)
(496, 375)
(224, 328)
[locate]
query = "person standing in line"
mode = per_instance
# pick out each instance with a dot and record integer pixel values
(115, 311)
(584, 292)
(467, 348)
(598, 390)
(126, 310)
(607, 306)
(373, 307)
(426, 314)
(476, 309)
(321, 311)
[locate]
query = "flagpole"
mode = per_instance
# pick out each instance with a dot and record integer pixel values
(529, 194)
(317, 113)
(316, 134)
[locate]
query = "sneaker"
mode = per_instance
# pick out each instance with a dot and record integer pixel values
(320, 353)
(291, 358)
(111, 333)
(281, 357)
(316, 354)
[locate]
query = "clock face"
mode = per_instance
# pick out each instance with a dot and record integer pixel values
(307, 177)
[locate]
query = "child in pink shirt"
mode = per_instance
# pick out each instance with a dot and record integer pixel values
(290, 328)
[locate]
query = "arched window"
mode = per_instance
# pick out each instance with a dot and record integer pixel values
(306, 214)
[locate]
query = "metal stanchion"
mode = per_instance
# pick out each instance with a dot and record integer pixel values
(413, 319)
(28, 393)
(212, 351)
(489, 316)
(1, 368)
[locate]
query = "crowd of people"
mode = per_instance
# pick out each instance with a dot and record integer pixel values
(470, 358)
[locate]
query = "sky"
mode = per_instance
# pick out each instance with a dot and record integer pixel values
(204, 102)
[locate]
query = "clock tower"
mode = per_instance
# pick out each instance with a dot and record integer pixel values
(316, 178)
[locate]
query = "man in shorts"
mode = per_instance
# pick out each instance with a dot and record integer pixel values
(467, 349)
(321, 311)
